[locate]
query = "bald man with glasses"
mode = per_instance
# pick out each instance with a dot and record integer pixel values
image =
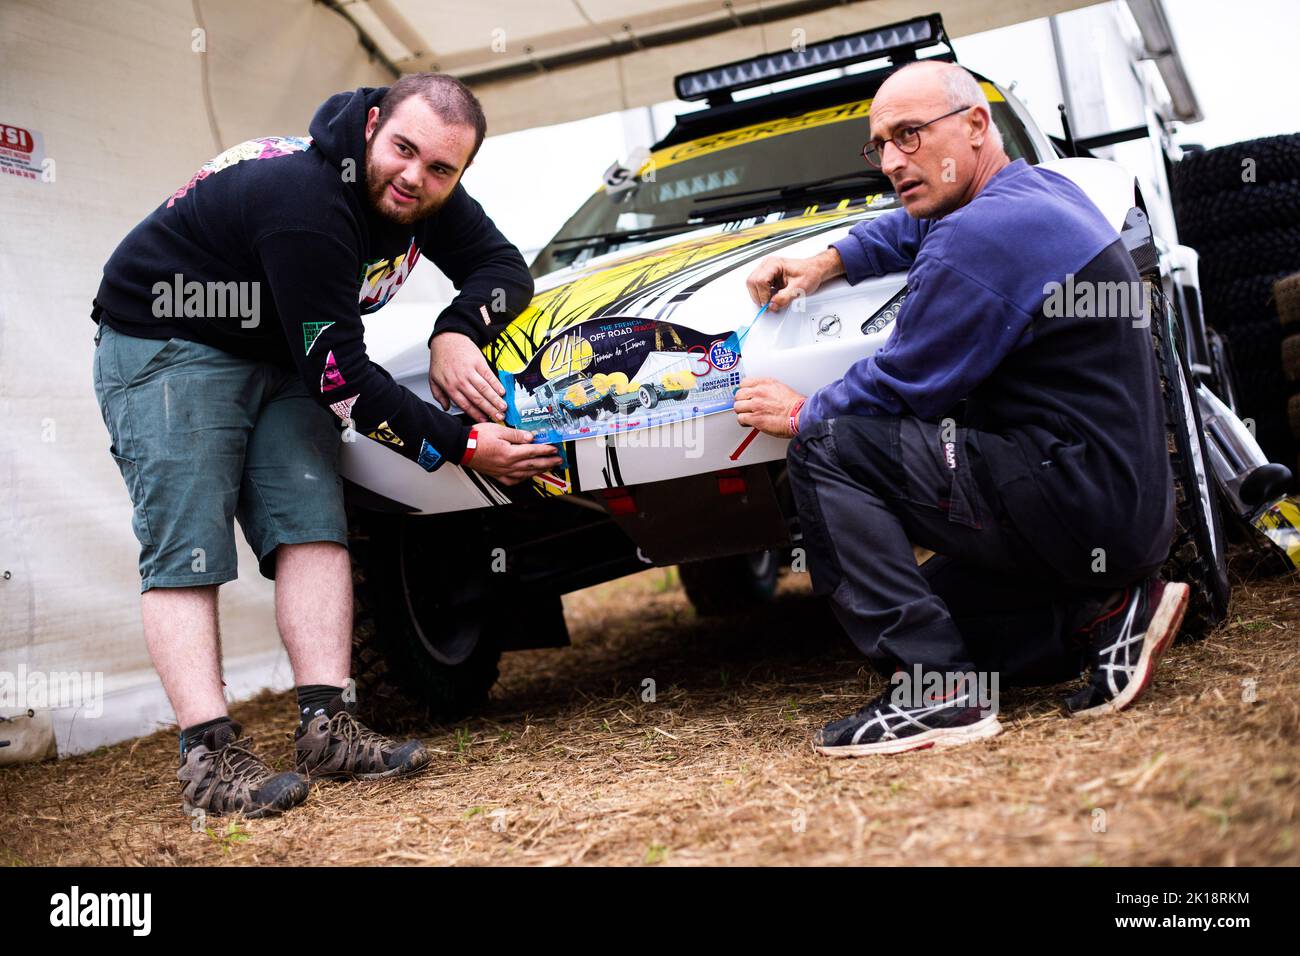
(1016, 446)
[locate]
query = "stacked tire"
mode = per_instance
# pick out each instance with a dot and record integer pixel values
(1239, 207)
(1286, 295)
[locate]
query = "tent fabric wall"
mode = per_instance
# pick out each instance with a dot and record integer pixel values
(116, 91)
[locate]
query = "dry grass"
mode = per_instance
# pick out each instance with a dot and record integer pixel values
(571, 765)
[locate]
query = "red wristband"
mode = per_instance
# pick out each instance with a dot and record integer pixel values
(794, 417)
(470, 446)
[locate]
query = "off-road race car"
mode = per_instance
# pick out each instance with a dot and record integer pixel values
(630, 352)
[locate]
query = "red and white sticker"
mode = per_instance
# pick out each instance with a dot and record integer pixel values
(22, 153)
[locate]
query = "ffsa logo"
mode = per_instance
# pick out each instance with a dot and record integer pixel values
(102, 909)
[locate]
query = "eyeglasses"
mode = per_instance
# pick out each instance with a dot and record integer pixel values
(907, 139)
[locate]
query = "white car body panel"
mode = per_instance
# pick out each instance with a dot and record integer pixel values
(803, 346)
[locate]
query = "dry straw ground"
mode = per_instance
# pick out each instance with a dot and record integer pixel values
(570, 765)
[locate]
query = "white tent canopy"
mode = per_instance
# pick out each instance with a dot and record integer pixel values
(533, 64)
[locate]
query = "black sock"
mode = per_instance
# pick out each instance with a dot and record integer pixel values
(192, 736)
(312, 699)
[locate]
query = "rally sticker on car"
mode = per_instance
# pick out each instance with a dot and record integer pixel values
(634, 298)
(621, 374)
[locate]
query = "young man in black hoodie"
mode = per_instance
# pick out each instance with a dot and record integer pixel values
(230, 352)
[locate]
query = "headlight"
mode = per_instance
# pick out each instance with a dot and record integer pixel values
(840, 311)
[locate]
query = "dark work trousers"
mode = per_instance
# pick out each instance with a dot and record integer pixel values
(867, 489)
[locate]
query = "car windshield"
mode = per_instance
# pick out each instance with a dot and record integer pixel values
(692, 177)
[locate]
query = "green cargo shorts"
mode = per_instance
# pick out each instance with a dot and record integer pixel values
(202, 437)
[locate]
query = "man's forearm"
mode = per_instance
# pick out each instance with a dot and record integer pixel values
(879, 246)
(830, 263)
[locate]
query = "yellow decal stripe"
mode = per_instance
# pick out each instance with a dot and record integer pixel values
(1281, 523)
(575, 301)
(845, 112)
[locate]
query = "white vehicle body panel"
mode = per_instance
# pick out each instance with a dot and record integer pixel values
(807, 346)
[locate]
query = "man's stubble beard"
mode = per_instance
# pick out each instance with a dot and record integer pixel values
(376, 187)
(940, 208)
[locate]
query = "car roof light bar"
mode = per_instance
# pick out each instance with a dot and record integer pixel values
(898, 41)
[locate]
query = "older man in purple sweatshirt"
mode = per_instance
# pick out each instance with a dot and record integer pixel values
(1026, 451)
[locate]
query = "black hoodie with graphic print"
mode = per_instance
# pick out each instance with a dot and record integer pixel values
(272, 251)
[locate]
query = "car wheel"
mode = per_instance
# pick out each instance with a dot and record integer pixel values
(649, 397)
(1198, 554)
(722, 586)
(416, 656)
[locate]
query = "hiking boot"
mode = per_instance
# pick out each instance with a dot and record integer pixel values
(885, 726)
(221, 775)
(1125, 642)
(333, 743)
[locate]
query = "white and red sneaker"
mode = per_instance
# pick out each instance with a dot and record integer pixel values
(1125, 644)
(885, 726)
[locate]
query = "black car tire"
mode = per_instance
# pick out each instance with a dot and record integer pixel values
(400, 682)
(722, 586)
(1198, 553)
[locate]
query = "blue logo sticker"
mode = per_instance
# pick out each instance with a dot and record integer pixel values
(429, 458)
(723, 357)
